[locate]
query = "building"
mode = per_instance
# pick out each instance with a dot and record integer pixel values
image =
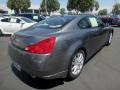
(32, 9)
(3, 10)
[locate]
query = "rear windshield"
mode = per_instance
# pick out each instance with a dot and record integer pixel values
(27, 20)
(55, 22)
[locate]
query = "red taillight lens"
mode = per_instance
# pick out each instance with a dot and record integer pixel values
(43, 47)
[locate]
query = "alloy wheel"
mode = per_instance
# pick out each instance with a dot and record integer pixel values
(77, 63)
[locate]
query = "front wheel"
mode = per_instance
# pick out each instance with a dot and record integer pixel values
(0, 33)
(110, 39)
(76, 65)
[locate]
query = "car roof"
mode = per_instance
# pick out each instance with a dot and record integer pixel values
(75, 16)
(3, 17)
(13, 17)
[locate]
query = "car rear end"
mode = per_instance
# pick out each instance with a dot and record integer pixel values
(38, 51)
(36, 56)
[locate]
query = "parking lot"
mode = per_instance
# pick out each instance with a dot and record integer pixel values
(102, 72)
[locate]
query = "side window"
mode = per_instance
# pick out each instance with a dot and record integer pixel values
(84, 24)
(28, 16)
(5, 20)
(93, 22)
(18, 21)
(13, 20)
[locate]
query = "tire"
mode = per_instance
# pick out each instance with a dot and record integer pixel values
(1, 33)
(72, 72)
(109, 39)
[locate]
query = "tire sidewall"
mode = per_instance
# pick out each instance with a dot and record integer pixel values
(0, 33)
(109, 42)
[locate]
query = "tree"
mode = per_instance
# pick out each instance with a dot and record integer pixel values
(116, 9)
(103, 12)
(42, 6)
(80, 5)
(72, 5)
(52, 5)
(95, 6)
(70, 13)
(24, 4)
(62, 11)
(18, 5)
(84, 5)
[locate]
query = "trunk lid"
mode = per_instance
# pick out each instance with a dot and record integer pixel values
(31, 36)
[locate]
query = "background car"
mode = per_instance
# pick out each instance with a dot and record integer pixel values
(106, 19)
(10, 25)
(116, 20)
(58, 47)
(35, 17)
(1, 17)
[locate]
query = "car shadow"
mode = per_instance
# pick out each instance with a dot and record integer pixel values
(86, 62)
(37, 83)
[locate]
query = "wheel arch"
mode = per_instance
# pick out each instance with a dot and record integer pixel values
(72, 50)
(84, 50)
(112, 30)
(1, 29)
(68, 75)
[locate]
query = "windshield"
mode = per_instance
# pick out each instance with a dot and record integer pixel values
(54, 22)
(27, 20)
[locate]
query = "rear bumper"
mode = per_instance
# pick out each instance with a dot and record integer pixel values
(36, 65)
(116, 22)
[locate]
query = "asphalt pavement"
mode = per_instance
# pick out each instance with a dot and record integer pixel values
(102, 72)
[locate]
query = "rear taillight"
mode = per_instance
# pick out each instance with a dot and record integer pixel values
(43, 47)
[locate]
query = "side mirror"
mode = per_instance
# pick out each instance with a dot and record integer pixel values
(22, 23)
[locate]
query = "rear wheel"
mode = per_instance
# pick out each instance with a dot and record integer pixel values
(76, 65)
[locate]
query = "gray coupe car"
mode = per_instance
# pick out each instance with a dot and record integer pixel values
(58, 47)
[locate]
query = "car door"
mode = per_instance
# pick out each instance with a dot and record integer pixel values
(93, 34)
(103, 30)
(97, 33)
(15, 25)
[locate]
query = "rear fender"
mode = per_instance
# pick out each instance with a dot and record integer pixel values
(71, 51)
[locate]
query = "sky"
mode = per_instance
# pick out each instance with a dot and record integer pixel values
(107, 4)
